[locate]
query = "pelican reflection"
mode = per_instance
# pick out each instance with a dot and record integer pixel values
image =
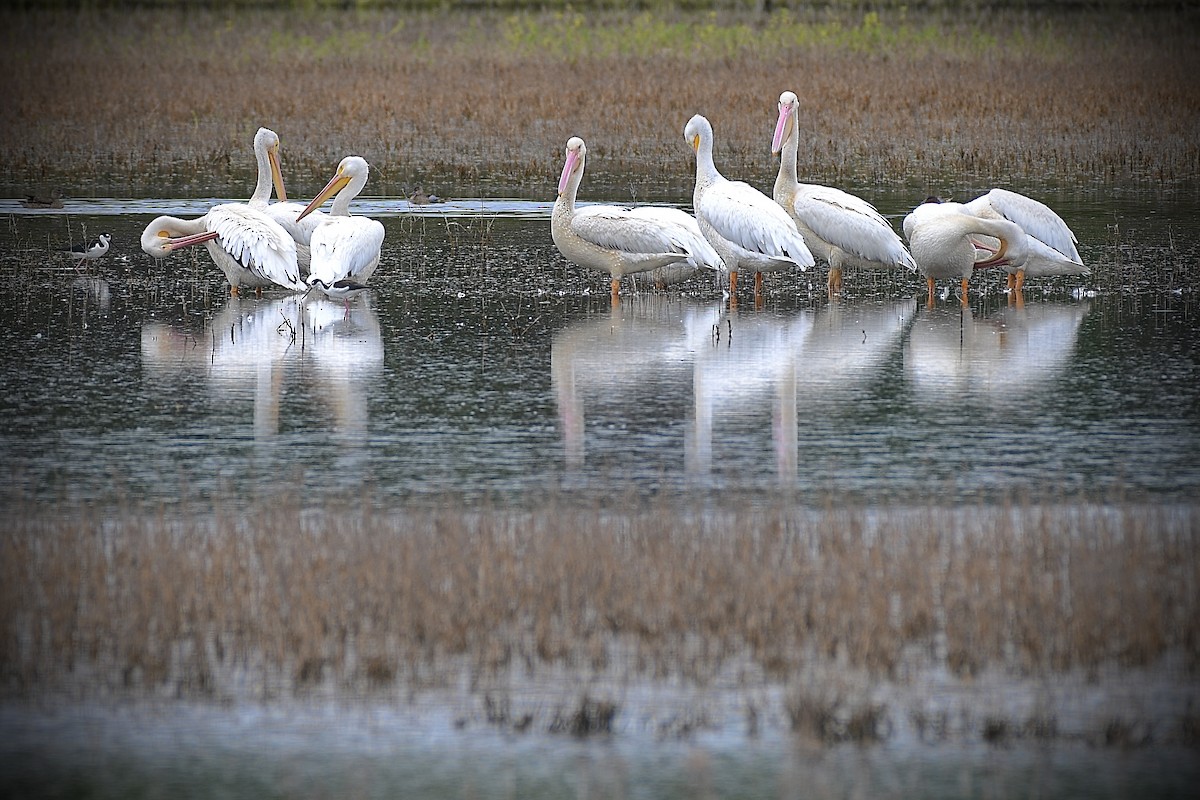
(1000, 357)
(617, 359)
(252, 349)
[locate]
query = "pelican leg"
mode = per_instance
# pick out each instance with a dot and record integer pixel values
(1012, 281)
(1020, 285)
(834, 282)
(258, 291)
(932, 286)
(616, 291)
(233, 290)
(758, 284)
(733, 288)
(964, 291)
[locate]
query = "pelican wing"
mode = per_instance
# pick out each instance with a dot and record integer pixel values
(616, 228)
(346, 248)
(851, 224)
(751, 220)
(1042, 260)
(1035, 218)
(684, 229)
(256, 242)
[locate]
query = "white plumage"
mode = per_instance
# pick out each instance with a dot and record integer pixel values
(1050, 248)
(247, 246)
(270, 175)
(343, 247)
(839, 227)
(623, 241)
(746, 228)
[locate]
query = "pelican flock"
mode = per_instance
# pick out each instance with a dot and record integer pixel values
(743, 225)
(840, 228)
(623, 241)
(735, 228)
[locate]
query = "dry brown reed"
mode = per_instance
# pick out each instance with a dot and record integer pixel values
(484, 103)
(275, 601)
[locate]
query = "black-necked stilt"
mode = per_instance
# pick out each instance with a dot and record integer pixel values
(344, 290)
(90, 252)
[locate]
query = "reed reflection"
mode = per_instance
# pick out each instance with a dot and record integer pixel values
(998, 357)
(253, 349)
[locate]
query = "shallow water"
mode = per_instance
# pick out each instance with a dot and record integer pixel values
(482, 364)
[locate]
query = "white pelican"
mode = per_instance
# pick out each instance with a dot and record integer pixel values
(1051, 245)
(944, 243)
(90, 251)
(266, 153)
(249, 247)
(345, 249)
(616, 240)
(743, 225)
(842, 229)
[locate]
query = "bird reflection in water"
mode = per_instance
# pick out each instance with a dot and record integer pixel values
(255, 349)
(997, 357)
(743, 369)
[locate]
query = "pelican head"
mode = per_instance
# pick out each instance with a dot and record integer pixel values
(697, 131)
(266, 145)
(351, 172)
(576, 156)
(788, 103)
(165, 235)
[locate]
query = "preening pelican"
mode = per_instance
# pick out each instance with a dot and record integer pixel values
(745, 227)
(249, 247)
(1051, 245)
(345, 249)
(266, 153)
(620, 241)
(944, 243)
(842, 229)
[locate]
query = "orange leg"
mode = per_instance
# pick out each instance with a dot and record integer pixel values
(1012, 281)
(616, 291)
(834, 281)
(233, 291)
(932, 285)
(758, 286)
(964, 291)
(733, 288)
(1020, 280)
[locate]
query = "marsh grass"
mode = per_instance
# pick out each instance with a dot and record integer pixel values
(481, 104)
(275, 601)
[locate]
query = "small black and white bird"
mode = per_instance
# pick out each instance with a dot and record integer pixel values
(90, 252)
(344, 290)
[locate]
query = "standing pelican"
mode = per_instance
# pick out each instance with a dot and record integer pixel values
(1051, 245)
(249, 247)
(266, 153)
(839, 227)
(345, 249)
(620, 241)
(743, 225)
(945, 244)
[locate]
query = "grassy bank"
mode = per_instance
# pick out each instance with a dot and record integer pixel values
(278, 603)
(482, 103)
